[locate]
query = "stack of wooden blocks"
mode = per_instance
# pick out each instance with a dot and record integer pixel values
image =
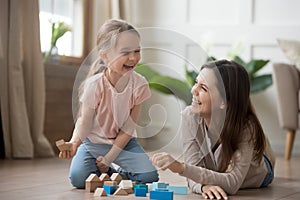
(115, 185)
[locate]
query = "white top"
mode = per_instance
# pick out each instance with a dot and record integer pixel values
(201, 163)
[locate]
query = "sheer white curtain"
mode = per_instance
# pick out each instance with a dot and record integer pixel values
(22, 95)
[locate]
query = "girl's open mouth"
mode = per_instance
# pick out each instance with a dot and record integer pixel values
(128, 66)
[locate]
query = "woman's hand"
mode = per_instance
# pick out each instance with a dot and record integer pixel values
(166, 161)
(68, 154)
(102, 164)
(213, 192)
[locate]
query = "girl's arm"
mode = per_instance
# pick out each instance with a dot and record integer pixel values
(83, 125)
(82, 129)
(123, 137)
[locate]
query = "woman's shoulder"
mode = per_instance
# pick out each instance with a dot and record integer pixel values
(189, 115)
(247, 132)
(188, 112)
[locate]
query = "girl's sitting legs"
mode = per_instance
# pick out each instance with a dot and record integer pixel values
(133, 161)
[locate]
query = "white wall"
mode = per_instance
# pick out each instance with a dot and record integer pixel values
(258, 22)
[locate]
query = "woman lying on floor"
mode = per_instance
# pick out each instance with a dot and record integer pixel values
(224, 145)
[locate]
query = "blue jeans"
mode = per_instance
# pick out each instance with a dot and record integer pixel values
(133, 161)
(270, 174)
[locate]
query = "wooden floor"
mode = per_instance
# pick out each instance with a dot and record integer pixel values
(48, 179)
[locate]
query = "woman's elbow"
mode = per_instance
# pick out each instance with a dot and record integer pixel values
(231, 190)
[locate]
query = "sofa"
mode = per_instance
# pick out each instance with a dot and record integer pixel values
(286, 79)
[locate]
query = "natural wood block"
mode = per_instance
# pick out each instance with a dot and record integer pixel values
(92, 182)
(100, 192)
(120, 191)
(62, 145)
(110, 183)
(104, 177)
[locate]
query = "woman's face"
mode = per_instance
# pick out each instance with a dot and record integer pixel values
(205, 94)
(126, 55)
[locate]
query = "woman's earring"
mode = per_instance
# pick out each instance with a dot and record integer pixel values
(222, 106)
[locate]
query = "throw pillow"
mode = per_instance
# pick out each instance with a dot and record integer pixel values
(291, 49)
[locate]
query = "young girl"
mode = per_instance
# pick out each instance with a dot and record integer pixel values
(110, 103)
(224, 146)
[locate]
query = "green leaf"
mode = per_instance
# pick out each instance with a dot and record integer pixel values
(260, 83)
(239, 60)
(169, 85)
(190, 77)
(255, 65)
(58, 30)
(145, 71)
(210, 58)
(161, 88)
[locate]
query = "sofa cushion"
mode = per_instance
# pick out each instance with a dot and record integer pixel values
(291, 49)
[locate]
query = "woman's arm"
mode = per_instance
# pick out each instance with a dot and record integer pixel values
(230, 181)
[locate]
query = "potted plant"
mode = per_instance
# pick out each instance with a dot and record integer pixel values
(58, 30)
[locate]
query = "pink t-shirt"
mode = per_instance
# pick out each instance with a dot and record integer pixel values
(112, 108)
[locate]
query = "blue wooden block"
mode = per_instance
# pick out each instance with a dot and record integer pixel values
(161, 189)
(110, 189)
(139, 185)
(161, 195)
(157, 185)
(178, 189)
(140, 192)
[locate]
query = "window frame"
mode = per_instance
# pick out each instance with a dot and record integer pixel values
(87, 6)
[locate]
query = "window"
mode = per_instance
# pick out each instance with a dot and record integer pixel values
(70, 12)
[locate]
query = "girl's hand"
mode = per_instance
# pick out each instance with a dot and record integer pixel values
(213, 191)
(68, 154)
(166, 161)
(102, 165)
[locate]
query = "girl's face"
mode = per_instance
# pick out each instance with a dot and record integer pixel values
(126, 55)
(205, 94)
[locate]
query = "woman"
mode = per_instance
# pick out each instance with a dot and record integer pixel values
(224, 145)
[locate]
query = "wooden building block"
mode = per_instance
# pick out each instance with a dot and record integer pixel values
(104, 177)
(140, 192)
(159, 185)
(178, 189)
(116, 177)
(161, 195)
(120, 191)
(149, 186)
(100, 192)
(62, 146)
(110, 189)
(110, 183)
(128, 190)
(140, 185)
(125, 184)
(92, 182)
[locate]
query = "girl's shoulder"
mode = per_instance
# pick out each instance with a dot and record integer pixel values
(138, 79)
(93, 79)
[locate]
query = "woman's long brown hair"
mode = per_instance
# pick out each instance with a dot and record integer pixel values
(240, 113)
